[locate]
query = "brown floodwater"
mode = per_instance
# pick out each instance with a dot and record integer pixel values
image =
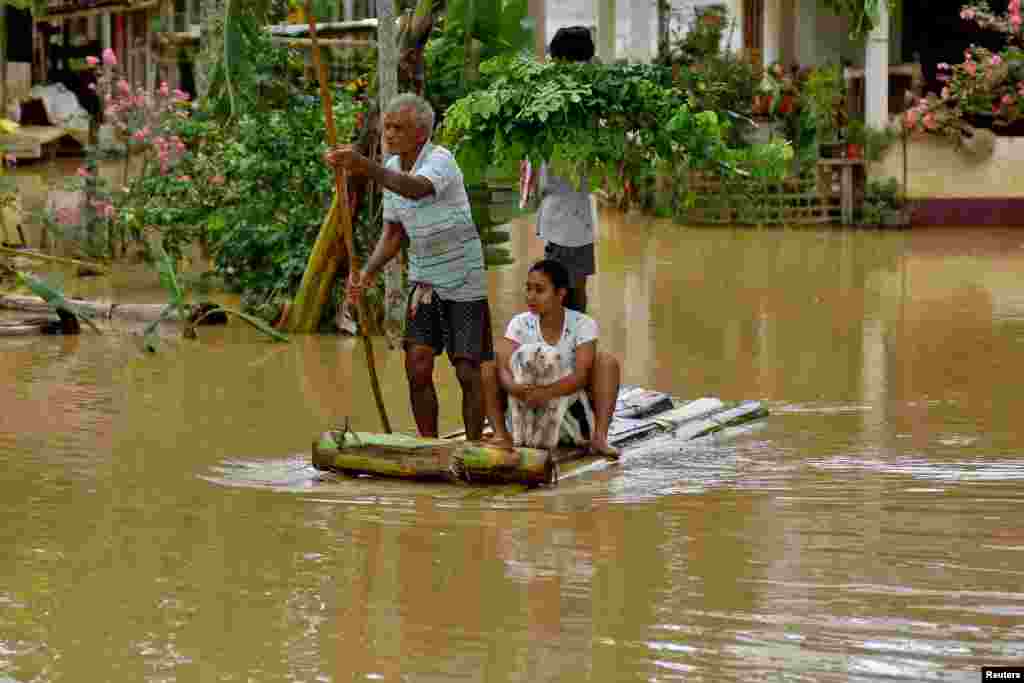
(161, 521)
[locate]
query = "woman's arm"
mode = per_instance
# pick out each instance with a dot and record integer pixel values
(503, 350)
(580, 377)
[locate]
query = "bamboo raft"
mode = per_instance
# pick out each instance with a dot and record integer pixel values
(640, 415)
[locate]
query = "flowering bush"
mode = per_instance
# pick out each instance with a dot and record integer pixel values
(986, 83)
(145, 121)
(140, 117)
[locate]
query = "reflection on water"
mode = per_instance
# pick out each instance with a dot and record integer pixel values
(161, 520)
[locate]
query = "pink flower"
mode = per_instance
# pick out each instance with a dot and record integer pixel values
(68, 216)
(971, 68)
(1015, 20)
(967, 14)
(910, 118)
(930, 122)
(996, 60)
(165, 90)
(139, 135)
(124, 86)
(181, 95)
(83, 172)
(1007, 99)
(995, 108)
(943, 66)
(109, 58)
(92, 86)
(92, 61)
(185, 178)
(218, 180)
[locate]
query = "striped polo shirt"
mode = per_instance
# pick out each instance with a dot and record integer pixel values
(444, 246)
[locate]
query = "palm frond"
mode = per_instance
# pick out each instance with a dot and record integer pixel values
(169, 277)
(258, 323)
(56, 299)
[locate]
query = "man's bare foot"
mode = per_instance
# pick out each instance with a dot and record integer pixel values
(600, 447)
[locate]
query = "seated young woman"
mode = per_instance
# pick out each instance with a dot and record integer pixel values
(549, 385)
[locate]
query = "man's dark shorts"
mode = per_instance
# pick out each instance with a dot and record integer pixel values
(579, 261)
(461, 327)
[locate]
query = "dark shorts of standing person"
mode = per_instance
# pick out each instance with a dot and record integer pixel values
(579, 261)
(463, 328)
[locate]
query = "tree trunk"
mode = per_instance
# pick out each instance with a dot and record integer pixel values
(664, 16)
(211, 33)
(387, 89)
(326, 259)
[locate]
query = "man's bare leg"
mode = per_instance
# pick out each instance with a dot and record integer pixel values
(469, 375)
(496, 402)
(419, 369)
(604, 392)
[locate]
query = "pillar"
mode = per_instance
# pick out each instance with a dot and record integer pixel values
(640, 42)
(876, 71)
(606, 31)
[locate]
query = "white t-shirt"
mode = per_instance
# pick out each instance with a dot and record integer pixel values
(566, 215)
(578, 329)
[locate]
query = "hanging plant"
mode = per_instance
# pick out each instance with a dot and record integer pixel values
(863, 14)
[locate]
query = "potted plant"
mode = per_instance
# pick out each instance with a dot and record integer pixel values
(824, 95)
(781, 89)
(856, 137)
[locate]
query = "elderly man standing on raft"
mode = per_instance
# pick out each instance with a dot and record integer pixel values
(425, 199)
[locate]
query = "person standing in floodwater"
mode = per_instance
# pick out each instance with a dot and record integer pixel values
(425, 199)
(565, 219)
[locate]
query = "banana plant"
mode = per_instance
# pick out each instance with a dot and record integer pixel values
(56, 299)
(179, 308)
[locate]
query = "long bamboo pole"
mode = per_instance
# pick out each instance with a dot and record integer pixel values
(344, 215)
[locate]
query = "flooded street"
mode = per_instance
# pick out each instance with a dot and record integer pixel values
(161, 521)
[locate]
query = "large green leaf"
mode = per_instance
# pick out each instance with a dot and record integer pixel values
(56, 299)
(486, 19)
(169, 277)
(516, 28)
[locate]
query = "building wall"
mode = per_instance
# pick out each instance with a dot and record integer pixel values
(936, 169)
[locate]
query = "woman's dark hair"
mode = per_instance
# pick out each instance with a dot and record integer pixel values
(555, 271)
(572, 43)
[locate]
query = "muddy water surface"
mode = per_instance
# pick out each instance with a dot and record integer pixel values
(161, 522)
